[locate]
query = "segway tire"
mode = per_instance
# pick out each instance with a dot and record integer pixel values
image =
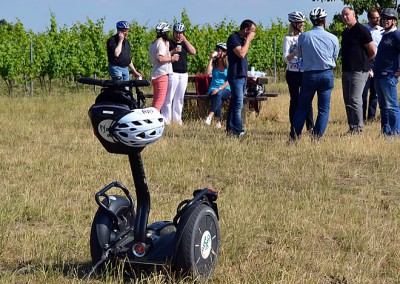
(99, 235)
(197, 250)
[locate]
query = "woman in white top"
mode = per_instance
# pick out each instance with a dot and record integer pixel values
(161, 59)
(294, 74)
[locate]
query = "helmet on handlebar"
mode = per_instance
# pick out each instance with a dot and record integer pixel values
(139, 128)
(122, 25)
(179, 28)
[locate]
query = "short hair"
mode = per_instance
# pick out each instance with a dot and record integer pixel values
(247, 24)
(370, 11)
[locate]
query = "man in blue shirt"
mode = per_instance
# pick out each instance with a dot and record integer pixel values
(370, 104)
(387, 72)
(237, 47)
(319, 50)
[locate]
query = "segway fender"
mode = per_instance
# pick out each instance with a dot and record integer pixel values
(117, 205)
(103, 223)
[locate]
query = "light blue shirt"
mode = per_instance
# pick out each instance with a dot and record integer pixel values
(376, 34)
(318, 49)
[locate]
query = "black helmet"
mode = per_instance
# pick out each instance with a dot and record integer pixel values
(389, 13)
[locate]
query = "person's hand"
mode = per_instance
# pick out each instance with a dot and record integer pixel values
(174, 57)
(370, 73)
(138, 75)
(214, 92)
(213, 54)
(251, 36)
(121, 36)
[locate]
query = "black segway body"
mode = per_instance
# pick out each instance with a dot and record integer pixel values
(189, 244)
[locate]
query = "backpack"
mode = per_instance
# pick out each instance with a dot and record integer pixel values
(253, 89)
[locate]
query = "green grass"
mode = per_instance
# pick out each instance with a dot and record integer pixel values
(305, 213)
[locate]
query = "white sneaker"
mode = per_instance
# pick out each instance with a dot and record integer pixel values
(208, 120)
(218, 125)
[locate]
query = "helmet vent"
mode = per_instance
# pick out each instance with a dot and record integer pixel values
(138, 123)
(123, 125)
(148, 121)
(141, 135)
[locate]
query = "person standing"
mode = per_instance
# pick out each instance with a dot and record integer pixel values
(219, 89)
(237, 47)
(162, 60)
(119, 54)
(294, 74)
(387, 72)
(370, 105)
(319, 50)
(358, 50)
(177, 82)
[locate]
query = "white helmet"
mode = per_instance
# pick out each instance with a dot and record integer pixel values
(162, 27)
(297, 17)
(317, 15)
(221, 45)
(139, 128)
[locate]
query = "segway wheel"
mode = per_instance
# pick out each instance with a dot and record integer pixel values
(197, 251)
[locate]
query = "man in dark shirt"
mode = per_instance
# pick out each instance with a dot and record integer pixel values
(238, 45)
(119, 54)
(357, 50)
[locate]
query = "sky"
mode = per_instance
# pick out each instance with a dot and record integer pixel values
(35, 14)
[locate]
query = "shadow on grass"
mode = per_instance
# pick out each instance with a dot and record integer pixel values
(120, 272)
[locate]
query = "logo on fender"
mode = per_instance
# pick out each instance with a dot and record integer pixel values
(104, 130)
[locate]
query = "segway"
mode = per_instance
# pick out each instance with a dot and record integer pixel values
(188, 244)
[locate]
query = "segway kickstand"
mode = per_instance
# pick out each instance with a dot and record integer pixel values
(104, 257)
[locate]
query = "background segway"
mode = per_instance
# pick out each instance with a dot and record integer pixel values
(192, 226)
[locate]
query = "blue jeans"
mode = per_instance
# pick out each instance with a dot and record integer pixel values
(118, 71)
(388, 102)
(234, 120)
(369, 106)
(322, 83)
(293, 80)
(216, 101)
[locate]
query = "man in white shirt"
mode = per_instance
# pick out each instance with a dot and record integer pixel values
(369, 105)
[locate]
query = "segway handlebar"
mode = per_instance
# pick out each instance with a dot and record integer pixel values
(114, 83)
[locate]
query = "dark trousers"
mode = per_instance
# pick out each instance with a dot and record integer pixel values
(369, 105)
(293, 80)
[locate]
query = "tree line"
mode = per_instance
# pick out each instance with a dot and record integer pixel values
(80, 51)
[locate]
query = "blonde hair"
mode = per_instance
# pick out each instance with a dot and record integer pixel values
(292, 31)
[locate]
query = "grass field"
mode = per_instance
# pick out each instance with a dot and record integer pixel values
(305, 213)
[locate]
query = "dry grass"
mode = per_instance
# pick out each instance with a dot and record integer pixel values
(311, 213)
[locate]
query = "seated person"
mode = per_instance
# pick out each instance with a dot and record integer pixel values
(219, 87)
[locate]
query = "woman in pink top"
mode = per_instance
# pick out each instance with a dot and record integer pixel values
(161, 59)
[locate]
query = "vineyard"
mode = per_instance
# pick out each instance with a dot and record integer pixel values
(69, 53)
